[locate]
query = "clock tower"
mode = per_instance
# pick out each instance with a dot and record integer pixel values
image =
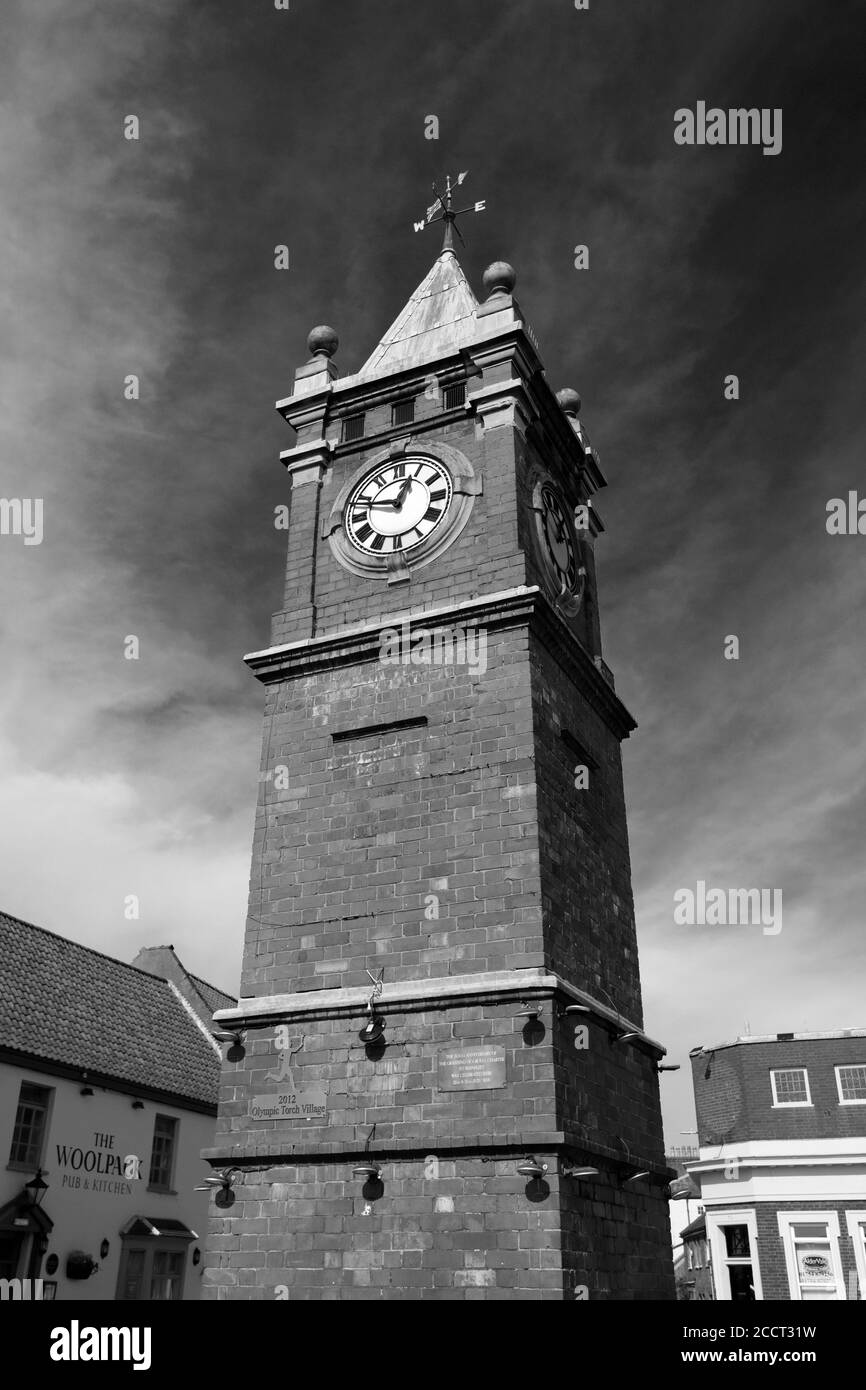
(437, 1083)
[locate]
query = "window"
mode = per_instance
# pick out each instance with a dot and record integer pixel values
(851, 1084)
(152, 1272)
(403, 412)
(31, 1122)
(454, 396)
(733, 1254)
(791, 1087)
(353, 428)
(162, 1153)
(811, 1241)
(737, 1242)
(166, 1278)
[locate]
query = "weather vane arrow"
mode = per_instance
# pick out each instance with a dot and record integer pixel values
(442, 211)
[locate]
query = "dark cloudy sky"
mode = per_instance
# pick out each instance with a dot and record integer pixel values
(306, 127)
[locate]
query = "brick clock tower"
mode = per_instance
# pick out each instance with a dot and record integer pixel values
(437, 1083)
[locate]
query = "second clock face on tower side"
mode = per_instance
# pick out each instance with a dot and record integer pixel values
(558, 545)
(397, 505)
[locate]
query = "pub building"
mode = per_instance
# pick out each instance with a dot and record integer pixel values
(108, 1092)
(782, 1165)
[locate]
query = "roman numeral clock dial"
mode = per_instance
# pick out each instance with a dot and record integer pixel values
(397, 506)
(559, 546)
(401, 510)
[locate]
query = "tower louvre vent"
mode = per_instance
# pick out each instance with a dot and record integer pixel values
(353, 428)
(403, 412)
(454, 396)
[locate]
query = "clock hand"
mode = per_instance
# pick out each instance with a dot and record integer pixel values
(401, 496)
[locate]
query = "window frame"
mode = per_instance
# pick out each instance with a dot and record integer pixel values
(855, 1222)
(830, 1219)
(790, 1104)
(25, 1165)
(848, 1066)
(150, 1247)
(718, 1254)
(169, 1186)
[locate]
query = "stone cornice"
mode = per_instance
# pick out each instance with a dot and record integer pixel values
(525, 605)
(415, 996)
(273, 1155)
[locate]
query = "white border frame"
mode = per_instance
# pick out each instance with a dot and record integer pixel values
(830, 1219)
(847, 1066)
(790, 1104)
(716, 1220)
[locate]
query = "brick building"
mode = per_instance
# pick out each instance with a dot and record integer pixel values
(695, 1274)
(441, 1086)
(782, 1167)
(108, 1090)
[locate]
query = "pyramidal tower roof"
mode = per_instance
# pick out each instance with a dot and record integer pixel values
(439, 317)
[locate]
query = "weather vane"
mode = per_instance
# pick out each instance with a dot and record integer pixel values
(442, 211)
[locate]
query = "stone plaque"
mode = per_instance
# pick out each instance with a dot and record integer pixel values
(471, 1068)
(290, 1105)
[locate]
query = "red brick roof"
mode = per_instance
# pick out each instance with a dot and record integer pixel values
(62, 1002)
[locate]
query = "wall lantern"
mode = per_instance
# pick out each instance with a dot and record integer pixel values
(369, 1171)
(235, 1037)
(530, 1168)
(637, 1177)
(36, 1189)
(580, 1173)
(223, 1181)
(138, 1105)
(529, 1011)
(625, 1037)
(667, 1066)
(196, 1256)
(373, 1030)
(571, 1009)
(86, 1091)
(104, 1249)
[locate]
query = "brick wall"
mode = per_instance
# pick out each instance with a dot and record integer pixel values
(437, 1228)
(452, 848)
(484, 559)
(771, 1251)
(735, 1101)
(345, 858)
(583, 842)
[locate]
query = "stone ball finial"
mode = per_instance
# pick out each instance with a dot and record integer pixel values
(569, 400)
(499, 278)
(323, 341)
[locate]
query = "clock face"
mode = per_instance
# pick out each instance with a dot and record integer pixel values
(398, 505)
(558, 538)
